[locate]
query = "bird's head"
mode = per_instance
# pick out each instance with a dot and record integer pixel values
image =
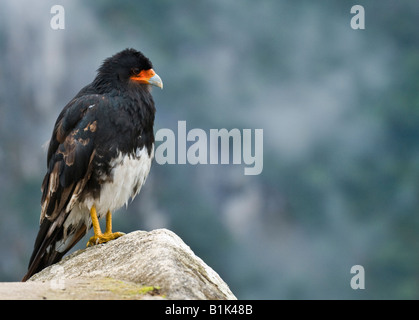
(129, 67)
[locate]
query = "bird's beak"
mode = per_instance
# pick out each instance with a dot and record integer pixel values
(148, 77)
(156, 81)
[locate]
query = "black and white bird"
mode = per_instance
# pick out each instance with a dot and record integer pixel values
(99, 156)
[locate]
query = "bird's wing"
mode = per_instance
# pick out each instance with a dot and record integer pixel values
(70, 155)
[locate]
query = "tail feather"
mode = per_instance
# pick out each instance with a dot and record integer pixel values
(45, 251)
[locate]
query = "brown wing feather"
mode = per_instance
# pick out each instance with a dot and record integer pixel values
(69, 169)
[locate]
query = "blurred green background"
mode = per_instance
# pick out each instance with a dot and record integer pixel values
(339, 109)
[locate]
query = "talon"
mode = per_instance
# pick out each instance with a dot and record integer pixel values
(100, 237)
(103, 238)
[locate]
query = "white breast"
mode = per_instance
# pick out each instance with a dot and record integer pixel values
(129, 173)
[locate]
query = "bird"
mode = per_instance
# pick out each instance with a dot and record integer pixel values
(99, 157)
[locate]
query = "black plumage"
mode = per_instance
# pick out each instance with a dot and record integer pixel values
(99, 155)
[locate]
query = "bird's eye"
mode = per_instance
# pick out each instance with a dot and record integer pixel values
(135, 70)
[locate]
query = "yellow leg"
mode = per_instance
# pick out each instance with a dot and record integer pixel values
(108, 222)
(100, 237)
(95, 221)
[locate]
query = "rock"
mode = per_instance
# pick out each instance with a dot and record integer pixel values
(156, 264)
(81, 288)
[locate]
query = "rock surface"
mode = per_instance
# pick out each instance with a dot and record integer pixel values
(139, 265)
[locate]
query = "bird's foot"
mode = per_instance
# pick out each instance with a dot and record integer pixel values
(103, 238)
